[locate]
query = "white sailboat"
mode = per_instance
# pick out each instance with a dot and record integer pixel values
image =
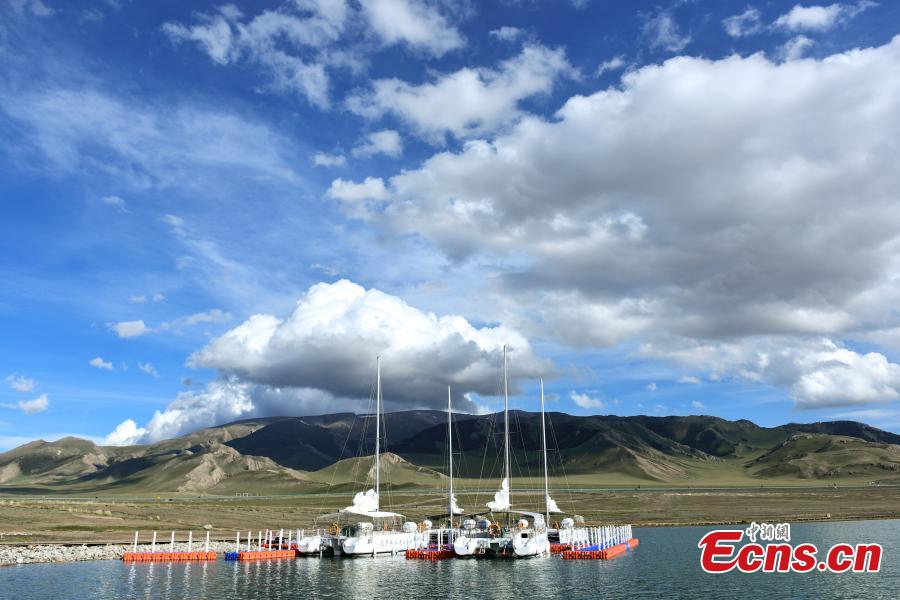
(374, 535)
(363, 529)
(526, 539)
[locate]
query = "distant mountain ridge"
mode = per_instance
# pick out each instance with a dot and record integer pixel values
(285, 454)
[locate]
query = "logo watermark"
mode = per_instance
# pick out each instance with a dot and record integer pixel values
(720, 552)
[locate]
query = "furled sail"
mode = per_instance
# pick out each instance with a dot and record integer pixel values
(501, 498)
(456, 509)
(364, 503)
(551, 505)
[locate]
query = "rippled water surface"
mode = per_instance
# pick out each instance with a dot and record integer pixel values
(666, 565)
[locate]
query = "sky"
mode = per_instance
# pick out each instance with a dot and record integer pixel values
(220, 211)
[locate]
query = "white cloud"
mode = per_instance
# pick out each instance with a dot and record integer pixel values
(116, 201)
(507, 33)
(387, 142)
(336, 330)
(686, 236)
(651, 386)
(321, 359)
(689, 380)
(820, 18)
(283, 42)
(469, 101)
(101, 364)
(30, 407)
(159, 297)
(744, 24)
(837, 376)
(129, 329)
(613, 64)
(126, 433)
(215, 315)
(697, 404)
(795, 47)
(148, 368)
(137, 299)
(818, 372)
(141, 144)
(35, 8)
(20, 383)
(414, 22)
(585, 401)
(879, 417)
(662, 32)
(175, 222)
(348, 191)
(321, 159)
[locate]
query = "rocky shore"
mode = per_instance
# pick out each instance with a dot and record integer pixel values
(18, 555)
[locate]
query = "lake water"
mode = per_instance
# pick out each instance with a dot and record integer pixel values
(666, 565)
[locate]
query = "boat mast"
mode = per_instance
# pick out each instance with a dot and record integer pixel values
(506, 427)
(544, 445)
(378, 429)
(450, 438)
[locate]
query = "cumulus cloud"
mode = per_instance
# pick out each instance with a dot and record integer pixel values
(30, 407)
(129, 329)
(352, 194)
(817, 372)
(585, 400)
(20, 383)
(387, 142)
(322, 159)
(330, 340)
(697, 404)
(321, 358)
(689, 380)
(744, 24)
(414, 22)
(507, 33)
(613, 64)
(469, 101)
(820, 18)
(101, 364)
(795, 47)
(693, 201)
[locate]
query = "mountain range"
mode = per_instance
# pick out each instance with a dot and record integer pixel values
(280, 455)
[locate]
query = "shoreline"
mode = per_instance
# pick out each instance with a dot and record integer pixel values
(11, 555)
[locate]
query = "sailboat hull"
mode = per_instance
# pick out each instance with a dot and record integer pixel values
(387, 542)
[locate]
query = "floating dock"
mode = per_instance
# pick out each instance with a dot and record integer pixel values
(433, 553)
(168, 556)
(597, 553)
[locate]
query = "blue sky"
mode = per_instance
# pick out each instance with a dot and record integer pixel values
(664, 208)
